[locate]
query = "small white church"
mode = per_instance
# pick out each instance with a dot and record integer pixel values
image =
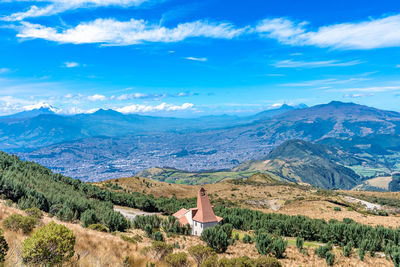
(201, 217)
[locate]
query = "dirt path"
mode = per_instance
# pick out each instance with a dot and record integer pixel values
(131, 214)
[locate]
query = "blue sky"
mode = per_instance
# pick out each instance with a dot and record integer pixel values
(192, 58)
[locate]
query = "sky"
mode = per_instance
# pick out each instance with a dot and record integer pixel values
(194, 58)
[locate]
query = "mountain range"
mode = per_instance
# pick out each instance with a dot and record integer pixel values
(43, 127)
(107, 144)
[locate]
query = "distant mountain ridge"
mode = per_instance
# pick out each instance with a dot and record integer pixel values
(43, 127)
(345, 126)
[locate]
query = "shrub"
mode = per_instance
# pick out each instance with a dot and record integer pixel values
(149, 230)
(3, 247)
(161, 249)
(278, 247)
(395, 256)
(348, 249)
(98, 227)
(323, 250)
(227, 228)
(337, 209)
(158, 236)
(177, 259)
(16, 222)
(361, 253)
(34, 212)
(200, 253)
(247, 239)
(267, 262)
(299, 243)
(237, 236)
(134, 239)
(216, 238)
(211, 261)
(88, 217)
(263, 243)
(330, 258)
(50, 245)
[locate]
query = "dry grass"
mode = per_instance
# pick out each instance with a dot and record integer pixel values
(103, 249)
(92, 248)
(293, 200)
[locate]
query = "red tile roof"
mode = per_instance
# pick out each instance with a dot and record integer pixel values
(205, 213)
(180, 213)
(183, 221)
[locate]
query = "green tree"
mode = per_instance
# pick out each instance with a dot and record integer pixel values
(299, 243)
(330, 258)
(348, 249)
(263, 243)
(149, 230)
(89, 217)
(216, 238)
(200, 253)
(158, 236)
(278, 247)
(49, 245)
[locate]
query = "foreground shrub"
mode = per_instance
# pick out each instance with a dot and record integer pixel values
(216, 238)
(244, 261)
(200, 253)
(177, 259)
(161, 249)
(348, 249)
(88, 217)
(3, 247)
(263, 243)
(323, 250)
(50, 245)
(98, 227)
(16, 222)
(247, 239)
(278, 247)
(158, 236)
(330, 258)
(34, 213)
(299, 243)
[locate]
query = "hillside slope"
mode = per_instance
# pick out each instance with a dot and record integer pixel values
(301, 161)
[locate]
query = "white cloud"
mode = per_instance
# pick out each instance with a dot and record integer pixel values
(203, 59)
(376, 89)
(140, 96)
(314, 64)
(97, 97)
(370, 34)
(140, 108)
(39, 106)
(324, 82)
(59, 6)
(70, 64)
(4, 70)
(113, 32)
(357, 95)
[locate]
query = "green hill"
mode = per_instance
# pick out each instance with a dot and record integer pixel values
(301, 161)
